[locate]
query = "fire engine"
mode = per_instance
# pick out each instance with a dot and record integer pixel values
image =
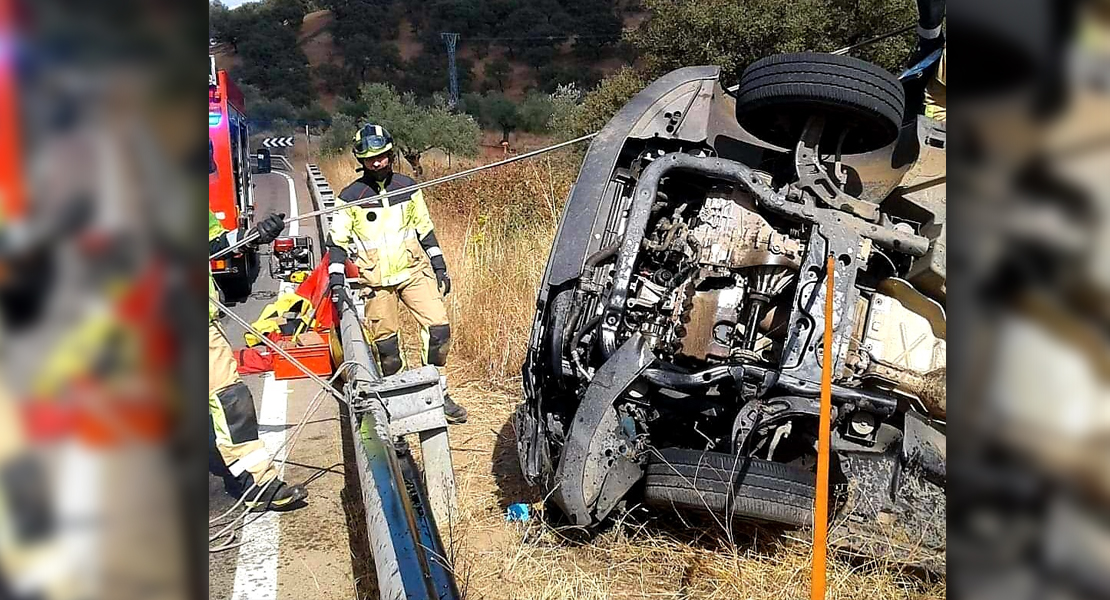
(230, 194)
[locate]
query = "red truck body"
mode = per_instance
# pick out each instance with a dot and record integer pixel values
(230, 196)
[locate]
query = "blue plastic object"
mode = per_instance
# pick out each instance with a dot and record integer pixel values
(517, 512)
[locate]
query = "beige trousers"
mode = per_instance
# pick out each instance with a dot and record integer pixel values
(233, 415)
(420, 294)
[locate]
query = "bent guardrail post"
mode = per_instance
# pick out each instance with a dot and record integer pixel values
(408, 555)
(401, 522)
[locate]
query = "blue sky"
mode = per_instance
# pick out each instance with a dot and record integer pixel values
(234, 3)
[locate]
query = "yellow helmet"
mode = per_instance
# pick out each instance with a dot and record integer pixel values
(371, 140)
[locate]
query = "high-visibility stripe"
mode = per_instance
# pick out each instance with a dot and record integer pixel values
(434, 251)
(253, 458)
(216, 408)
(337, 268)
(388, 240)
(928, 34)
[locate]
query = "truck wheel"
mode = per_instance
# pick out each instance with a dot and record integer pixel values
(750, 488)
(778, 94)
(236, 289)
(24, 299)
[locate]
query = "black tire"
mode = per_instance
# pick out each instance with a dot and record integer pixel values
(24, 299)
(779, 93)
(703, 481)
(236, 289)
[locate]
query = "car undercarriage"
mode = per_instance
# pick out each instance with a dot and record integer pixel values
(676, 354)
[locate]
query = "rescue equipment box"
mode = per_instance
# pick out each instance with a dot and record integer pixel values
(315, 356)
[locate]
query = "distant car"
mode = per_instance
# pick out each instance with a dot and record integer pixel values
(675, 358)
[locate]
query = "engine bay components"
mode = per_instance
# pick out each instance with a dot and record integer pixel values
(731, 235)
(709, 324)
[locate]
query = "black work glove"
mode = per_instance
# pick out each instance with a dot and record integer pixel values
(335, 281)
(338, 288)
(444, 281)
(270, 228)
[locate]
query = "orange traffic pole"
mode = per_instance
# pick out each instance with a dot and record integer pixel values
(821, 510)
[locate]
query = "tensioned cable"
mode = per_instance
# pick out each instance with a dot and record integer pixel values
(325, 386)
(253, 235)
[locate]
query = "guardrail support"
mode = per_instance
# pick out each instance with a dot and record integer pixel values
(402, 510)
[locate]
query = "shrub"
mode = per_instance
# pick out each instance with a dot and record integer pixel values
(337, 137)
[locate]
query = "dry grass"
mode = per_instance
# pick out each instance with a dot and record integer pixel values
(496, 230)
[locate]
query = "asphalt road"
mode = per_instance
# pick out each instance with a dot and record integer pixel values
(304, 553)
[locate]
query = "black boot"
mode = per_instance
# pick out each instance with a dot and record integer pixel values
(277, 496)
(455, 413)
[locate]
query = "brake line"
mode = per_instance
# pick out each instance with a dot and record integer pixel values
(253, 235)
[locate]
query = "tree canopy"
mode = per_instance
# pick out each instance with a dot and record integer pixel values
(734, 34)
(264, 36)
(415, 128)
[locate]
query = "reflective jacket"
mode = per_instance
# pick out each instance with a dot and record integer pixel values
(389, 239)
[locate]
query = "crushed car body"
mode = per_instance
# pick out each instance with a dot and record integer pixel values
(675, 356)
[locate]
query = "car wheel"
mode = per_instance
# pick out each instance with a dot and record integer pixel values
(778, 94)
(721, 483)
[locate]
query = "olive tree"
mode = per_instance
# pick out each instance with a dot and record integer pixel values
(418, 128)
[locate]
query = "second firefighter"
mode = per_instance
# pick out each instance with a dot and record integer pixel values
(393, 244)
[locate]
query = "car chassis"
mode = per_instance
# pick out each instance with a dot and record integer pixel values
(675, 355)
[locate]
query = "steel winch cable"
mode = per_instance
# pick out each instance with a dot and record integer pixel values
(253, 235)
(323, 383)
(872, 40)
(313, 405)
(325, 386)
(230, 528)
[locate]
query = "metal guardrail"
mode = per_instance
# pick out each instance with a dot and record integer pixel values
(322, 194)
(280, 161)
(401, 522)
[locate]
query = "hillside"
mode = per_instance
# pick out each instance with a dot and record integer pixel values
(411, 56)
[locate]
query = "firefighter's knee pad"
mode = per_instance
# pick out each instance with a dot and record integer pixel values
(389, 354)
(439, 342)
(238, 413)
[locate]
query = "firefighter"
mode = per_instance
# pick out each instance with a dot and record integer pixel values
(936, 92)
(930, 38)
(393, 244)
(250, 468)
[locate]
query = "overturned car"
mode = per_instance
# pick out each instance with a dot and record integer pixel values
(676, 354)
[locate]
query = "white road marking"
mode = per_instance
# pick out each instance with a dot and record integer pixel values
(294, 226)
(256, 571)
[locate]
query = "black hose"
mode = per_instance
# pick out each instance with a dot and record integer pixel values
(592, 262)
(602, 255)
(575, 358)
(572, 322)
